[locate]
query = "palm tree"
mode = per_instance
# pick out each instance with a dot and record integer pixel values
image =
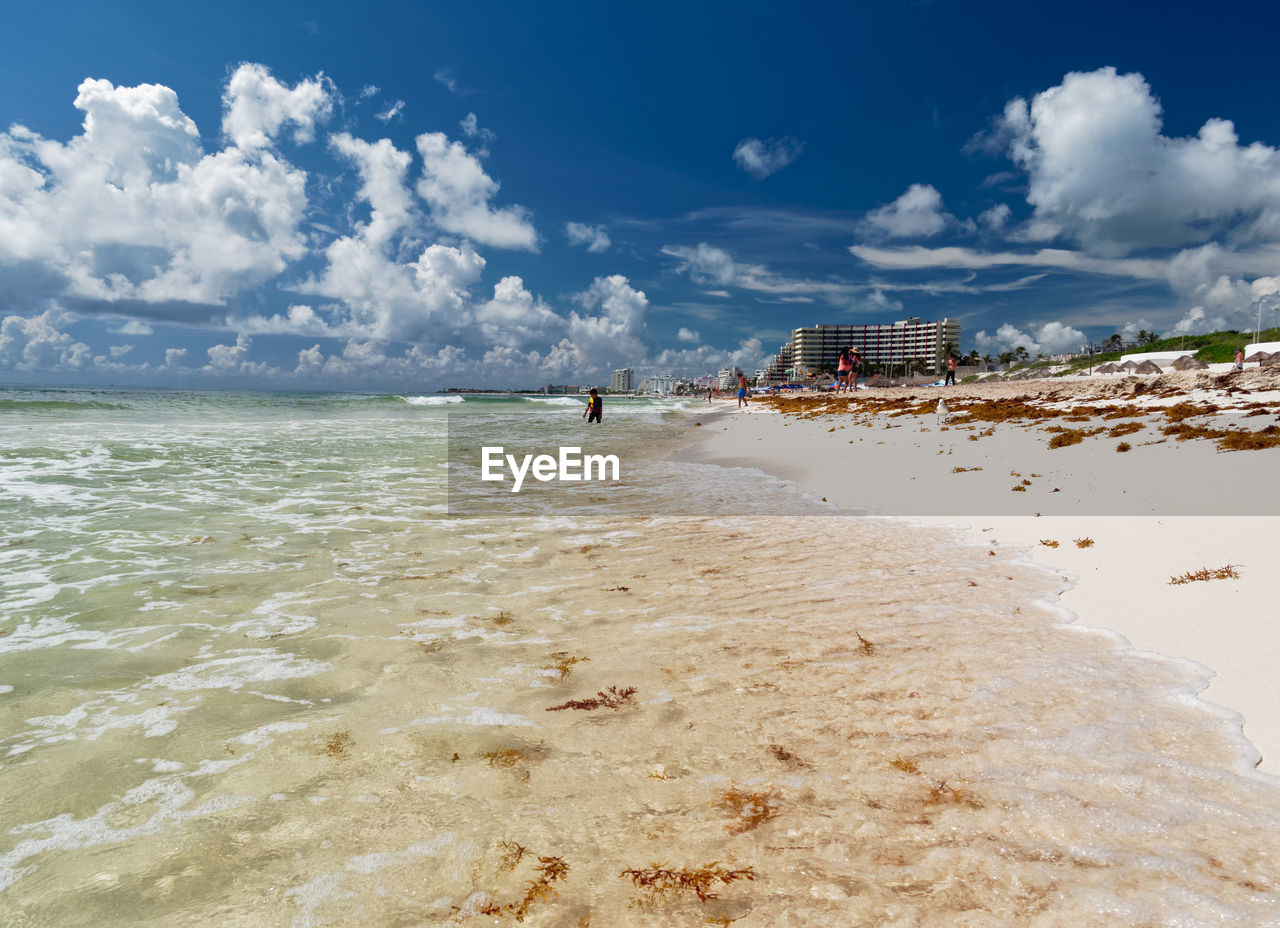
(1021, 353)
(1006, 357)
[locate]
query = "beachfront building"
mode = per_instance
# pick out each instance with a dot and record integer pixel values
(622, 381)
(664, 384)
(911, 339)
(727, 379)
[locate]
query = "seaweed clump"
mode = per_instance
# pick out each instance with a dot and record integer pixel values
(550, 871)
(749, 809)
(612, 698)
(336, 746)
(563, 663)
(663, 884)
(1204, 573)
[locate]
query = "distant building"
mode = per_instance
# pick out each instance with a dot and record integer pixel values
(623, 380)
(909, 339)
(727, 379)
(664, 384)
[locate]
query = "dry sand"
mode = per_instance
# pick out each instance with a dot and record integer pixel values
(1162, 509)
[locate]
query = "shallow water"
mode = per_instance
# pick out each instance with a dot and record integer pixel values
(253, 672)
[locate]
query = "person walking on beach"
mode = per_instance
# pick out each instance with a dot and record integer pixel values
(855, 363)
(742, 390)
(952, 364)
(708, 394)
(593, 411)
(842, 370)
(1239, 359)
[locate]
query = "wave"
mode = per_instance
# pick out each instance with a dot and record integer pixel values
(56, 405)
(555, 400)
(431, 400)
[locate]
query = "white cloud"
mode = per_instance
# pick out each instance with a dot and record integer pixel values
(515, 317)
(1102, 173)
(607, 334)
(760, 159)
(1048, 338)
(594, 237)
(383, 171)
(472, 129)
(391, 112)
(445, 76)
(133, 327)
(688, 335)
(995, 218)
(458, 192)
(917, 256)
(706, 264)
(256, 107)
(131, 210)
(37, 343)
(234, 359)
(918, 213)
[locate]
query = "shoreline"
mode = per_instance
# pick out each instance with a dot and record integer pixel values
(1144, 518)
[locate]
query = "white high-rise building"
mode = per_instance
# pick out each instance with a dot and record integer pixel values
(818, 346)
(623, 380)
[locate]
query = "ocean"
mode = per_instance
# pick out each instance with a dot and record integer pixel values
(288, 659)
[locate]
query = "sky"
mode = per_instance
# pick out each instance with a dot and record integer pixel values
(410, 196)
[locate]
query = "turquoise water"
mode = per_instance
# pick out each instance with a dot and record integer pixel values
(282, 659)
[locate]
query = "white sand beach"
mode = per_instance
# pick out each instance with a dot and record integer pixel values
(1119, 526)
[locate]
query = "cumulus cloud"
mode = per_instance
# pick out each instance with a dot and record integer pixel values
(688, 335)
(133, 327)
(594, 237)
(760, 159)
(458, 192)
(918, 213)
(515, 317)
(256, 107)
(1047, 338)
(38, 343)
(1101, 171)
(131, 211)
(995, 218)
(608, 331)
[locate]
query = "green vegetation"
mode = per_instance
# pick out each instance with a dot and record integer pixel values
(1209, 347)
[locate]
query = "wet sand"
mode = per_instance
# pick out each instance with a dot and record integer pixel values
(1118, 524)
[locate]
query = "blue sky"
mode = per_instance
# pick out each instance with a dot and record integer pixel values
(404, 196)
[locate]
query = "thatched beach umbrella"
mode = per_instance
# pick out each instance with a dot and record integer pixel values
(1187, 363)
(1258, 356)
(1109, 368)
(1129, 366)
(1148, 367)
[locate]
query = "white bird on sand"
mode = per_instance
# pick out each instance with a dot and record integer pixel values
(942, 412)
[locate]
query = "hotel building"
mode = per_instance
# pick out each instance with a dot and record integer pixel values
(811, 349)
(623, 380)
